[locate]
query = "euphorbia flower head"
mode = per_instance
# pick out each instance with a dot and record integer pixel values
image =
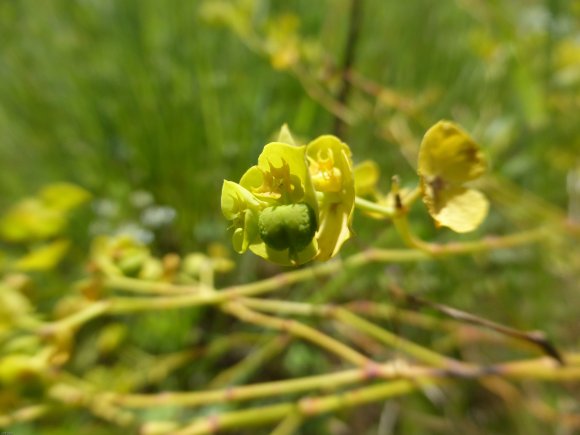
(295, 204)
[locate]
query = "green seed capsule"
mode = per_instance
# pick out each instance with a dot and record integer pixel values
(289, 226)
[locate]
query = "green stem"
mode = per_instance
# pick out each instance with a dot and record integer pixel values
(341, 314)
(486, 244)
(306, 407)
(394, 341)
(360, 396)
(543, 368)
(391, 370)
(300, 330)
(75, 320)
(389, 212)
(263, 352)
(289, 425)
(238, 419)
(135, 285)
(28, 413)
(411, 197)
(118, 305)
(373, 207)
(123, 305)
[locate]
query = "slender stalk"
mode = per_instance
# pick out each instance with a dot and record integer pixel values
(543, 368)
(289, 425)
(352, 38)
(238, 419)
(251, 363)
(118, 305)
(135, 285)
(327, 382)
(360, 396)
(317, 93)
(28, 413)
(77, 319)
(123, 305)
(78, 393)
(300, 330)
(486, 244)
(287, 307)
(536, 338)
(366, 308)
(306, 407)
(394, 341)
(371, 206)
(388, 212)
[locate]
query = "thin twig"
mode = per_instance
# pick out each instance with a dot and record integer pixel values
(300, 330)
(355, 25)
(537, 338)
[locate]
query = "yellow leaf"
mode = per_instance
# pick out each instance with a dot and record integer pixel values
(366, 177)
(30, 219)
(63, 196)
(45, 257)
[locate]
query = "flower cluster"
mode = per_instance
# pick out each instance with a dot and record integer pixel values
(296, 204)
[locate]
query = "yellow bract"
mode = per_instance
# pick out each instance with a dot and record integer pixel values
(241, 207)
(449, 158)
(366, 177)
(331, 170)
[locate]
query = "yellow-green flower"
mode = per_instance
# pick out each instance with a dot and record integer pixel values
(449, 158)
(296, 204)
(279, 206)
(330, 166)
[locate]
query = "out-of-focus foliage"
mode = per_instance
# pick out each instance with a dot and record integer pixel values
(37, 225)
(149, 105)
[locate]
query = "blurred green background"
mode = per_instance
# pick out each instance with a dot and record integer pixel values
(149, 105)
(120, 96)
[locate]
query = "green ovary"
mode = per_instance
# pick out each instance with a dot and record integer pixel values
(289, 226)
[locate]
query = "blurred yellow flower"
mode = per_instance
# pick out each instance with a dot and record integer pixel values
(449, 158)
